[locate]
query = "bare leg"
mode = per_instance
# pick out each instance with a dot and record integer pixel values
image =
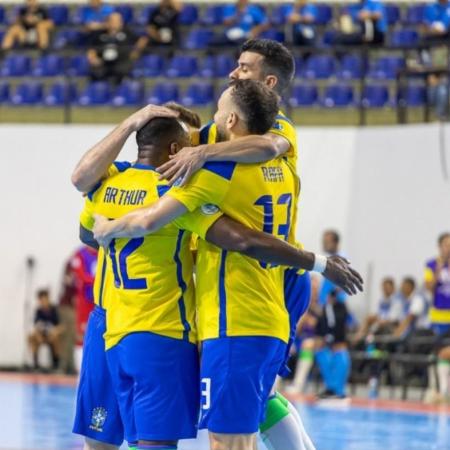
(15, 34)
(220, 441)
(91, 444)
(43, 34)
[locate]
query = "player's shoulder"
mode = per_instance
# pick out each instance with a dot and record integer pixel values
(224, 169)
(117, 167)
(281, 118)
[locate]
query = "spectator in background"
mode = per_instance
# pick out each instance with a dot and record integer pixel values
(244, 21)
(303, 17)
(333, 357)
(83, 265)
(32, 27)
(67, 316)
(437, 284)
(109, 53)
(415, 308)
(436, 21)
(95, 17)
(162, 24)
(47, 329)
(364, 24)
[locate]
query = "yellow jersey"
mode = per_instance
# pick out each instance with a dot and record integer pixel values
(237, 295)
(282, 127)
(150, 280)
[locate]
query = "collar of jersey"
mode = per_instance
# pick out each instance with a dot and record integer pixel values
(143, 167)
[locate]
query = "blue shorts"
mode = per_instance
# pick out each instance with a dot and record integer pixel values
(156, 380)
(97, 412)
(237, 375)
(297, 296)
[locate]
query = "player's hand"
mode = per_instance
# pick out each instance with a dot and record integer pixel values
(183, 165)
(100, 231)
(137, 120)
(338, 271)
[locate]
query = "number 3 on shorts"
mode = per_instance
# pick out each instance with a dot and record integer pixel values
(206, 393)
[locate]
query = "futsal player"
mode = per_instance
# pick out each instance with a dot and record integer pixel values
(233, 405)
(272, 63)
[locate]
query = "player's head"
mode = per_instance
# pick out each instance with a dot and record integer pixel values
(246, 107)
(330, 241)
(408, 286)
(43, 297)
(114, 22)
(95, 3)
(388, 286)
(32, 3)
(267, 61)
(161, 137)
(444, 246)
(190, 118)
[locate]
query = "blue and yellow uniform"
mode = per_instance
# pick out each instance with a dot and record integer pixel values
(151, 332)
(297, 283)
(242, 319)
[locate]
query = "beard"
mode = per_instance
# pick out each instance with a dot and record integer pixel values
(221, 134)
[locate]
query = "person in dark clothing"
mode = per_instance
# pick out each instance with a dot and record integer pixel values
(47, 329)
(109, 52)
(162, 26)
(32, 27)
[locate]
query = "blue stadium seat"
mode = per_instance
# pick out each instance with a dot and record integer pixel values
(49, 66)
(78, 66)
(149, 66)
(216, 66)
(319, 67)
(299, 66)
(127, 13)
(207, 66)
(392, 14)
(386, 68)
(77, 15)
(95, 94)
(375, 96)
(60, 93)
(188, 15)
(413, 95)
(59, 14)
(272, 34)
(68, 38)
(281, 13)
(4, 92)
(182, 66)
(2, 15)
(414, 14)
(129, 93)
(164, 92)
(197, 39)
(11, 14)
(352, 67)
(404, 38)
(198, 94)
(27, 93)
(213, 15)
(338, 95)
(142, 16)
(324, 14)
(304, 96)
(16, 66)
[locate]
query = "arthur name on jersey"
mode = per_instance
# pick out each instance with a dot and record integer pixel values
(273, 174)
(124, 197)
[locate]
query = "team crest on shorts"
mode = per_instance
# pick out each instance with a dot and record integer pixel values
(209, 209)
(98, 418)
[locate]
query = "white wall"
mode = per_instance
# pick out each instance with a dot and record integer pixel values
(382, 188)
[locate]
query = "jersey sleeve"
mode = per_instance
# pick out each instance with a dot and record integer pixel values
(208, 186)
(87, 215)
(199, 221)
(428, 275)
(283, 127)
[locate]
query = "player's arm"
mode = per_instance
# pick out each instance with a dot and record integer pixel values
(233, 236)
(246, 150)
(95, 162)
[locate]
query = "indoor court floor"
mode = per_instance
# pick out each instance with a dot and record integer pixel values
(36, 414)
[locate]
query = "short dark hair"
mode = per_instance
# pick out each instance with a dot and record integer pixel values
(160, 132)
(278, 60)
(442, 237)
(43, 293)
(334, 234)
(388, 280)
(258, 103)
(185, 115)
(410, 281)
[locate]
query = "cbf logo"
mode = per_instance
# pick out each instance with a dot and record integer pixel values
(209, 209)
(98, 419)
